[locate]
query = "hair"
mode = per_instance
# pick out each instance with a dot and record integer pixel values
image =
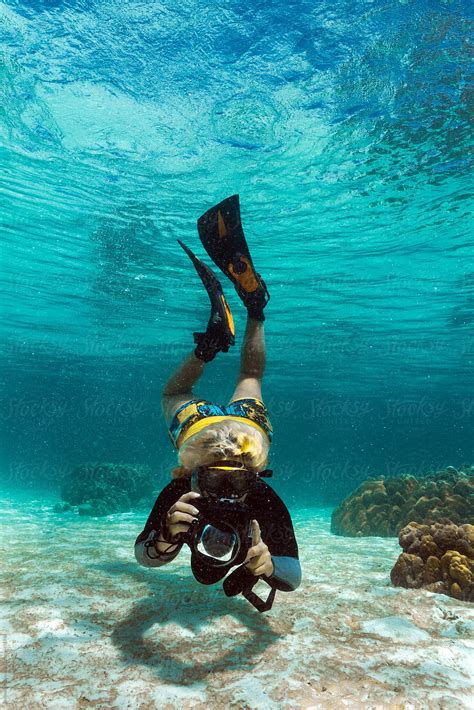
(225, 440)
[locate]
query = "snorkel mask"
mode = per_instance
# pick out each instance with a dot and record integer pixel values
(221, 536)
(225, 480)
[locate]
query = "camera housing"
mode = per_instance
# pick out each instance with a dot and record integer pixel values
(221, 535)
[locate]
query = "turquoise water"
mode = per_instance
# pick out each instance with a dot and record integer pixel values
(345, 129)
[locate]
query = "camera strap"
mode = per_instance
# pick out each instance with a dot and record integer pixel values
(257, 602)
(241, 581)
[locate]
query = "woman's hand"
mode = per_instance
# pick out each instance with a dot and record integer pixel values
(180, 516)
(259, 559)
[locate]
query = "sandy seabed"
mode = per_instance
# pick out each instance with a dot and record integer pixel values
(84, 626)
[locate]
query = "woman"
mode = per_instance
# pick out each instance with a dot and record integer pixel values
(225, 446)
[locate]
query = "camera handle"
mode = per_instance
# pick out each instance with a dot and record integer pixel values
(257, 602)
(242, 581)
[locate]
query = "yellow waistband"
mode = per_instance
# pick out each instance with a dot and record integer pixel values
(207, 421)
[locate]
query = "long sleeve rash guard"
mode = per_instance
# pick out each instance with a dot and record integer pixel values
(266, 507)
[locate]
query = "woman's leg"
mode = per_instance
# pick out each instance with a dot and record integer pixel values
(252, 362)
(179, 388)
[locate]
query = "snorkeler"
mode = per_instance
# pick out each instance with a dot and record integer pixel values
(218, 502)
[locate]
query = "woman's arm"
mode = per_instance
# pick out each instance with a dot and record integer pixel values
(152, 551)
(286, 573)
(151, 548)
(279, 536)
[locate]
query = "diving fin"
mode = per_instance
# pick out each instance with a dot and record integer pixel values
(221, 233)
(220, 332)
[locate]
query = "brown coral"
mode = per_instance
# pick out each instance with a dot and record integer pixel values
(382, 506)
(428, 547)
(408, 571)
(432, 571)
(445, 534)
(427, 560)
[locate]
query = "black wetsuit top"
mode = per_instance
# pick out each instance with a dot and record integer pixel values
(266, 507)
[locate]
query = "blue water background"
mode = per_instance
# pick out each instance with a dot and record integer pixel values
(345, 128)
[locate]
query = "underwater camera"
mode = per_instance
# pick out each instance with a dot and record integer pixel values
(221, 536)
